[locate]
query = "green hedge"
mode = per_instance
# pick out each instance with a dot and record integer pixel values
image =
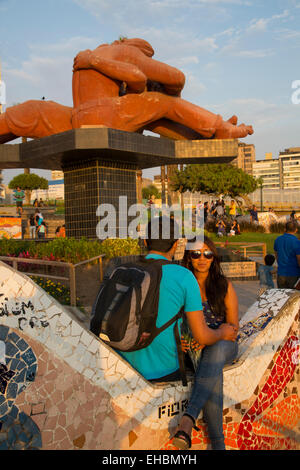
(69, 250)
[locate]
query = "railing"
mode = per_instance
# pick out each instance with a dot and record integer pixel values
(61, 264)
(247, 249)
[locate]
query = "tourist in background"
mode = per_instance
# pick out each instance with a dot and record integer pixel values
(235, 228)
(232, 209)
(31, 226)
(287, 252)
(265, 272)
(221, 228)
(41, 230)
(253, 215)
(19, 196)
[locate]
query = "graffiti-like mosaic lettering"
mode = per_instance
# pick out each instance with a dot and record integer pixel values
(172, 409)
(21, 310)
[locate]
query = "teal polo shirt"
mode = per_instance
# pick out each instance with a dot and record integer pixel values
(178, 288)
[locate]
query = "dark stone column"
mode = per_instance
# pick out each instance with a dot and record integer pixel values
(89, 184)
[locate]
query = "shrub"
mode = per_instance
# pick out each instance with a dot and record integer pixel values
(249, 227)
(69, 249)
(277, 227)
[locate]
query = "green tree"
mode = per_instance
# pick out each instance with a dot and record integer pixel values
(214, 179)
(149, 191)
(28, 182)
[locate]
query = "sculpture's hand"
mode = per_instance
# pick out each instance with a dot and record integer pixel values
(82, 60)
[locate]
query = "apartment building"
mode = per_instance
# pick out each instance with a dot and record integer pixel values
(280, 173)
(269, 171)
(246, 157)
(290, 168)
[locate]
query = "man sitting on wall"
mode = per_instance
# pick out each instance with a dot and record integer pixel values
(178, 288)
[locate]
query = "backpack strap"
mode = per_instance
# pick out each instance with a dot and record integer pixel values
(180, 353)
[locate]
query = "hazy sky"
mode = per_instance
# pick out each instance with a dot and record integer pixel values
(239, 56)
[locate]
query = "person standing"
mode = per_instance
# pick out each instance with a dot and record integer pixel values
(32, 226)
(232, 210)
(287, 252)
(41, 230)
(253, 215)
(19, 195)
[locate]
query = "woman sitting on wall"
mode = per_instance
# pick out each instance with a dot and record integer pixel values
(220, 305)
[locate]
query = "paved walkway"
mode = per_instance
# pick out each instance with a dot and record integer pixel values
(247, 294)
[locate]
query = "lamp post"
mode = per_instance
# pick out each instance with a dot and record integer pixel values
(261, 197)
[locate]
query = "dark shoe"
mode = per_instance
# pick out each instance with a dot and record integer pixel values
(182, 440)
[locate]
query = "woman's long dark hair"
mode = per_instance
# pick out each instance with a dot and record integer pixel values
(216, 284)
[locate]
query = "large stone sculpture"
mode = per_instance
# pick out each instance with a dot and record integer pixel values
(120, 86)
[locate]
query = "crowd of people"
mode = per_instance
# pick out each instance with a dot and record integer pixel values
(225, 221)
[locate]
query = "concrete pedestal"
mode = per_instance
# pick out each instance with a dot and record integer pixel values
(101, 164)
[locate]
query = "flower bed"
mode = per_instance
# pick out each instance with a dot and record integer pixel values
(69, 250)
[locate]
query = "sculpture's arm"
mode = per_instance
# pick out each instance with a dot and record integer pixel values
(172, 78)
(136, 80)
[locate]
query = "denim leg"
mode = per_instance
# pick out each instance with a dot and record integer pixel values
(213, 415)
(208, 385)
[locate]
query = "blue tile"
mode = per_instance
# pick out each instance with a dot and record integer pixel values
(29, 357)
(3, 332)
(12, 390)
(11, 436)
(20, 377)
(4, 445)
(11, 350)
(3, 410)
(13, 337)
(22, 345)
(30, 375)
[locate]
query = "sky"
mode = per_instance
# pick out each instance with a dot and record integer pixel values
(239, 56)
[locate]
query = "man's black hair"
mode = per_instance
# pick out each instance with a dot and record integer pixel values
(291, 226)
(269, 260)
(156, 236)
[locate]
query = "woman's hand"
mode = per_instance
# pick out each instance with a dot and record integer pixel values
(190, 345)
(228, 331)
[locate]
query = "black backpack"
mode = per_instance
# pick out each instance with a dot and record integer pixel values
(125, 311)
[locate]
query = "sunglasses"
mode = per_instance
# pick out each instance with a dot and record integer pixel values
(206, 253)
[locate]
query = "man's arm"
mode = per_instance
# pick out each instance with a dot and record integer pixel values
(232, 306)
(298, 259)
(136, 80)
(129, 61)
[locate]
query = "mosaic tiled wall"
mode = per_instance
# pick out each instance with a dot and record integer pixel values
(62, 388)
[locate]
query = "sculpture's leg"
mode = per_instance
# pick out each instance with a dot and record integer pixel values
(172, 130)
(133, 112)
(176, 131)
(34, 119)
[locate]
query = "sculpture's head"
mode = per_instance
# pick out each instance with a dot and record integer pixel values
(141, 44)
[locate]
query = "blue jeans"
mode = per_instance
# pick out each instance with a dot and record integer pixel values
(207, 393)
